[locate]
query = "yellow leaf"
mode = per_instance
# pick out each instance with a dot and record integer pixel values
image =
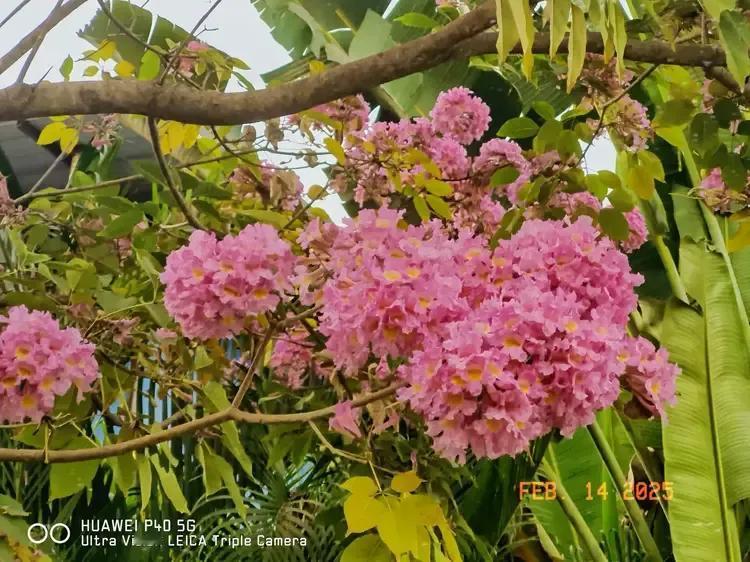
(360, 485)
(577, 45)
(335, 148)
(362, 513)
(507, 35)
(124, 69)
(406, 482)
(449, 541)
(741, 238)
(176, 134)
(190, 136)
(51, 133)
(397, 528)
(426, 510)
(521, 11)
(559, 13)
(617, 16)
(316, 192)
(641, 181)
(68, 140)
(105, 50)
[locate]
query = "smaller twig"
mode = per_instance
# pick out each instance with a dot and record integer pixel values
(613, 101)
(45, 175)
(168, 177)
(13, 12)
(185, 41)
(298, 317)
(35, 49)
(245, 384)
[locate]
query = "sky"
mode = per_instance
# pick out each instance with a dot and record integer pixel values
(234, 27)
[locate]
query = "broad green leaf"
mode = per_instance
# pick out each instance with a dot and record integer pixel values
(9, 506)
(218, 465)
(740, 240)
(674, 113)
(641, 181)
(504, 176)
(577, 45)
(716, 7)
(263, 215)
(170, 486)
(369, 548)
(734, 33)
(65, 479)
(230, 434)
(706, 457)
(518, 128)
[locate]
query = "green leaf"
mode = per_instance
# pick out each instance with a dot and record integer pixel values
(170, 486)
(559, 11)
(438, 187)
(145, 477)
(369, 548)
(641, 181)
(335, 148)
(278, 220)
(734, 34)
(614, 224)
(521, 11)
(544, 109)
(65, 479)
(504, 176)
(202, 358)
(652, 163)
(441, 208)
(703, 134)
(507, 36)
(9, 506)
(415, 19)
(150, 66)
(726, 111)
(122, 225)
(66, 67)
(733, 172)
(674, 113)
(577, 47)
(706, 457)
(420, 205)
(518, 128)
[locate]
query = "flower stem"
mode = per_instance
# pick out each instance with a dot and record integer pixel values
(631, 506)
(670, 267)
(571, 511)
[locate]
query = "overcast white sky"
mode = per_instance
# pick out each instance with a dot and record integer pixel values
(239, 32)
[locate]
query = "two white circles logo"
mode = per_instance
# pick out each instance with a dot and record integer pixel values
(59, 533)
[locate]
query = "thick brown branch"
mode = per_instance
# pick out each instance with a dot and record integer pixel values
(28, 42)
(211, 420)
(180, 103)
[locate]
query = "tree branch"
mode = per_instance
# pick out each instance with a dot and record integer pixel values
(28, 42)
(180, 103)
(139, 443)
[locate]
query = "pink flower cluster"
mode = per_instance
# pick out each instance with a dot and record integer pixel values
(214, 286)
(292, 358)
(38, 362)
(638, 231)
(394, 287)
(267, 185)
(541, 354)
(718, 196)
(460, 116)
(649, 375)
(385, 156)
(352, 113)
